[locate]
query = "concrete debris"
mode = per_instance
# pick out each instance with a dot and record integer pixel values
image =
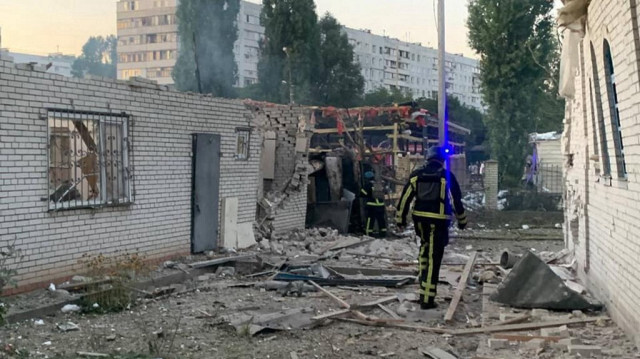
(495, 343)
(437, 353)
(68, 327)
(38, 322)
(70, 308)
(562, 331)
(532, 284)
(225, 272)
(585, 351)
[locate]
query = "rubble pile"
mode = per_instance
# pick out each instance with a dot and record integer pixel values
(360, 295)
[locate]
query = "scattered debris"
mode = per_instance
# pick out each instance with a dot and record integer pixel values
(532, 284)
(70, 308)
(462, 284)
(68, 327)
(437, 353)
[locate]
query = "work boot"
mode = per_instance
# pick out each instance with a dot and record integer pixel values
(428, 305)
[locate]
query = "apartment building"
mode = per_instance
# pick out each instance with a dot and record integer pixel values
(56, 63)
(391, 63)
(148, 47)
(148, 40)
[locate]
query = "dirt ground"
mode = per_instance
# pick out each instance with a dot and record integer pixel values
(192, 324)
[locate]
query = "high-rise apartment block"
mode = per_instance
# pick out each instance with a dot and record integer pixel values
(148, 47)
(391, 63)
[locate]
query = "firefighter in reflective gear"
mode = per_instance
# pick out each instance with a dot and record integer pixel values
(374, 208)
(434, 189)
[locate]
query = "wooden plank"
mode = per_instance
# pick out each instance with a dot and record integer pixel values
(341, 302)
(389, 311)
(462, 284)
(218, 261)
(324, 131)
(405, 326)
(526, 326)
(517, 320)
(360, 306)
(526, 338)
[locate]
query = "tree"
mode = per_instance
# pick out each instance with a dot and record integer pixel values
(207, 31)
(99, 58)
(462, 115)
(340, 82)
(290, 25)
(515, 40)
(381, 96)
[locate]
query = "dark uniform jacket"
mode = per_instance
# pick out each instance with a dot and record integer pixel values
(369, 196)
(428, 185)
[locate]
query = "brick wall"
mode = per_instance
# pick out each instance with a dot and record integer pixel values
(288, 189)
(602, 212)
(491, 184)
(157, 224)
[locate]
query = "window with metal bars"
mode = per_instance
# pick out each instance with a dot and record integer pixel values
(243, 135)
(89, 163)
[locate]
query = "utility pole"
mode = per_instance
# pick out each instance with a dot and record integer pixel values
(442, 95)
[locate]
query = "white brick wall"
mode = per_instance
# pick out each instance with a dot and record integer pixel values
(284, 121)
(603, 214)
(158, 223)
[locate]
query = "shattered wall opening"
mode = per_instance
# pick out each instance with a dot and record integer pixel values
(285, 165)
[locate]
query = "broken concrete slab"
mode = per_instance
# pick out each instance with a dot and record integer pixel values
(68, 327)
(562, 331)
(254, 323)
(532, 284)
(495, 343)
(585, 351)
(437, 353)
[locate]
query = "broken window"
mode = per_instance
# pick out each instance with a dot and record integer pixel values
(242, 143)
(88, 159)
(612, 95)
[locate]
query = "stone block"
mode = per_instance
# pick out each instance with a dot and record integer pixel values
(535, 344)
(585, 351)
(562, 331)
(495, 343)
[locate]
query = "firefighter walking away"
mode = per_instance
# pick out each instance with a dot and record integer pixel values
(374, 208)
(438, 199)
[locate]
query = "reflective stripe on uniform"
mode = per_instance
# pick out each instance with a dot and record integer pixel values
(405, 198)
(375, 204)
(432, 233)
(431, 215)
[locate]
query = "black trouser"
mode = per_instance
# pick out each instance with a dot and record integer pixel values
(434, 236)
(376, 214)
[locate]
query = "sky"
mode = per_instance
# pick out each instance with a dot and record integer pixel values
(47, 26)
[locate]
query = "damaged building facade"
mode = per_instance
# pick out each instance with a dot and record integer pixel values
(601, 66)
(99, 166)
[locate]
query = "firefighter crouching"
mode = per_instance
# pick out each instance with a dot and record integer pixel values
(374, 208)
(434, 189)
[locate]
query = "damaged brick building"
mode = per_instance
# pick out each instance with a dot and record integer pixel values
(601, 66)
(99, 166)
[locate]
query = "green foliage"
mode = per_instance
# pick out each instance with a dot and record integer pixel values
(290, 24)
(461, 114)
(99, 58)
(8, 254)
(122, 270)
(515, 39)
(381, 96)
(207, 31)
(340, 82)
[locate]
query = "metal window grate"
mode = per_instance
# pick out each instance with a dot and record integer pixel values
(243, 136)
(88, 159)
